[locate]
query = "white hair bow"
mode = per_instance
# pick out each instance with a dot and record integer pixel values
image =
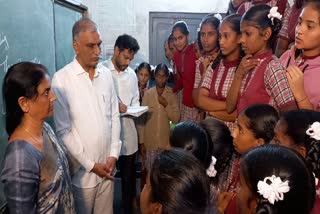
(273, 188)
(218, 16)
(211, 171)
(314, 131)
(273, 13)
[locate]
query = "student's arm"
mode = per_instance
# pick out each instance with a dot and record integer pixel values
(247, 63)
(205, 79)
(277, 84)
(296, 83)
(224, 115)
(195, 96)
(208, 104)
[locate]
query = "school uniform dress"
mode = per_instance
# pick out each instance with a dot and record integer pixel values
(266, 83)
(199, 75)
(281, 4)
(311, 75)
(185, 62)
(316, 206)
(155, 132)
(201, 70)
(218, 81)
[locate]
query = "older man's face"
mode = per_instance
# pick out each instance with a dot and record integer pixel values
(87, 48)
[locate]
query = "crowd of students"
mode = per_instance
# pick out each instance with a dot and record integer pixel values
(237, 100)
(238, 131)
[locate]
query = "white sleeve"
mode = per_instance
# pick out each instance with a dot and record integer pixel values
(115, 115)
(64, 127)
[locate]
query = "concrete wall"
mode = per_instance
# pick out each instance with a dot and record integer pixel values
(116, 17)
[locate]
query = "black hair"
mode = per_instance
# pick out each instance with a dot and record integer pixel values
(143, 65)
(257, 15)
(231, 8)
(199, 41)
(126, 41)
(182, 26)
(83, 24)
(193, 138)
(179, 183)
(210, 19)
(170, 38)
(162, 67)
(234, 20)
(269, 159)
(22, 79)
(297, 123)
(315, 4)
(299, 3)
(262, 120)
(223, 149)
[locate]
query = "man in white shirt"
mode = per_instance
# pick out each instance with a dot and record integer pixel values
(86, 115)
(126, 84)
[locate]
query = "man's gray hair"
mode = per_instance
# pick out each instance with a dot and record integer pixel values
(82, 25)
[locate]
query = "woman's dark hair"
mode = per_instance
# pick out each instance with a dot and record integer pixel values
(193, 138)
(126, 41)
(179, 183)
(143, 65)
(210, 19)
(267, 160)
(162, 67)
(182, 26)
(22, 79)
(257, 15)
(262, 120)
(299, 3)
(199, 41)
(234, 20)
(315, 4)
(223, 149)
(297, 123)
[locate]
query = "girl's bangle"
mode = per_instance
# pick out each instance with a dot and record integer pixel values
(303, 99)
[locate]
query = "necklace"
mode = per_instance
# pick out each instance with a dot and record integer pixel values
(38, 140)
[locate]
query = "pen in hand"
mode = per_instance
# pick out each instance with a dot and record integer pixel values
(122, 106)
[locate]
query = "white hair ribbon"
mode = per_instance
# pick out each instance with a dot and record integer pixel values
(314, 131)
(211, 171)
(273, 13)
(218, 16)
(272, 188)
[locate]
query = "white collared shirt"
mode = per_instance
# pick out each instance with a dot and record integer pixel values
(86, 115)
(126, 84)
